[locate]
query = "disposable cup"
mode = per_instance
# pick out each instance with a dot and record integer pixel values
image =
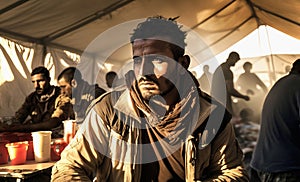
(69, 130)
(42, 145)
(17, 152)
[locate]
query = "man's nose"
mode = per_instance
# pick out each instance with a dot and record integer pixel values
(36, 85)
(146, 67)
(62, 91)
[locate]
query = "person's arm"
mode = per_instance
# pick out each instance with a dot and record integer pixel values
(233, 92)
(226, 158)
(48, 125)
(80, 159)
(63, 110)
(23, 112)
(78, 162)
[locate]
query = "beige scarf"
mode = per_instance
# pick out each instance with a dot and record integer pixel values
(182, 115)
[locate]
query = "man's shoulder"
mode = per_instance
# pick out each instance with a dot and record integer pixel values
(31, 96)
(219, 112)
(106, 100)
(108, 97)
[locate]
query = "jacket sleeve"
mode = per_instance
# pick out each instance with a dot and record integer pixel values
(226, 158)
(80, 159)
(23, 112)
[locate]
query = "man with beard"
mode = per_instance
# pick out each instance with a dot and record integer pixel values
(162, 128)
(43, 109)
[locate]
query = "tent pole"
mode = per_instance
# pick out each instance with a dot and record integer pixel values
(44, 53)
(271, 57)
(93, 70)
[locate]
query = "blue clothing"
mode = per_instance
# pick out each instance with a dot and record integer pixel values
(278, 145)
(83, 95)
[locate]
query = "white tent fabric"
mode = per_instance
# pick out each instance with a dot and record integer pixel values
(73, 25)
(35, 32)
(16, 63)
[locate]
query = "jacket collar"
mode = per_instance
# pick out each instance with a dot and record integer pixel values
(125, 105)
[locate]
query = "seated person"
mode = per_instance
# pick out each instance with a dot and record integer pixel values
(43, 109)
(246, 130)
(80, 91)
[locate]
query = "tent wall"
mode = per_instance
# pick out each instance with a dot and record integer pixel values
(16, 63)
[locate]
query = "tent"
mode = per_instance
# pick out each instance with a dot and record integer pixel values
(48, 32)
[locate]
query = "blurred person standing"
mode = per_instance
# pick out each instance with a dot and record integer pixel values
(276, 156)
(205, 79)
(222, 84)
(248, 82)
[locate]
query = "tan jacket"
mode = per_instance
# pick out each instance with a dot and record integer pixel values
(90, 154)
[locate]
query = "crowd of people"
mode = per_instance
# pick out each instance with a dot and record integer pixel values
(164, 124)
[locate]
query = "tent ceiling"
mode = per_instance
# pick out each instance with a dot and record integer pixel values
(73, 25)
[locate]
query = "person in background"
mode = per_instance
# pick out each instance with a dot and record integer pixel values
(276, 156)
(161, 128)
(205, 79)
(43, 109)
(111, 78)
(222, 83)
(80, 91)
(248, 82)
(246, 131)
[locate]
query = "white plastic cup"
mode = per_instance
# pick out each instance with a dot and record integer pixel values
(69, 130)
(42, 145)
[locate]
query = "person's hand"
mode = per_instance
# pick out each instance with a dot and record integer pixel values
(62, 100)
(246, 97)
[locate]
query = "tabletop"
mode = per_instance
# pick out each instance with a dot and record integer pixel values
(24, 171)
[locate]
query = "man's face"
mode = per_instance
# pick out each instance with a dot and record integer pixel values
(40, 83)
(65, 87)
(153, 65)
(233, 61)
(110, 81)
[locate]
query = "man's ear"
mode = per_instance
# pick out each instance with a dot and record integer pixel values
(73, 83)
(185, 61)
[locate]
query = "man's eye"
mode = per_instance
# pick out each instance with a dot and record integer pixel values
(157, 60)
(137, 60)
